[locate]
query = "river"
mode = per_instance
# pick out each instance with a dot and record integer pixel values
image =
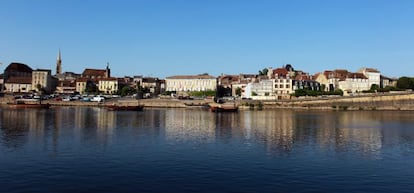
(87, 149)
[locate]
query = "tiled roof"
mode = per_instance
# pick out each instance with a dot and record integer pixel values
(343, 74)
(227, 79)
(204, 76)
(19, 80)
(107, 79)
(338, 74)
(372, 70)
(82, 79)
(280, 71)
(19, 67)
(94, 72)
(302, 77)
(356, 75)
(149, 80)
(369, 70)
(387, 78)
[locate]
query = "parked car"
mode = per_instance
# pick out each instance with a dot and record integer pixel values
(98, 99)
(67, 99)
(85, 99)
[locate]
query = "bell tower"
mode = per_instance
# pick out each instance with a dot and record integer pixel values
(107, 71)
(59, 64)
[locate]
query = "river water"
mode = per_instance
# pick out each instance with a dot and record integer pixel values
(84, 149)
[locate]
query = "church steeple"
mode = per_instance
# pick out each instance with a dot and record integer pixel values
(59, 64)
(108, 71)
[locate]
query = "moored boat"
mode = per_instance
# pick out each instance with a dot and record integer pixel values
(26, 105)
(115, 107)
(224, 107)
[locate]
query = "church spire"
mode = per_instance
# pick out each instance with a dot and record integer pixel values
(108, 71)
(59, 64)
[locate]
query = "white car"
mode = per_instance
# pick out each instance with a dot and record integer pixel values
(98, 99)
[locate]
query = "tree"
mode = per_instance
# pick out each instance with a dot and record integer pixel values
(39, 87)
(238, 91)
(405, 83)
(91, 87)
(126, 90)
(323, 87)
(264, 71)
(374, 87)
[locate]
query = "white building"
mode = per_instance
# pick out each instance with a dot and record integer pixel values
(356, 82)
(373, 75)
(259, 89)
(203, 82)
(18, 85)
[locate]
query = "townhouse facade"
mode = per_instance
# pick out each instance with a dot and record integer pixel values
(42, 80)
(17, 78)
(188, 83)
(373, 75)
(18, 85)
(282, 81)
(108, 85)
(343, 80)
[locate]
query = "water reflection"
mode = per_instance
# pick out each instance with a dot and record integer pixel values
(279, 132)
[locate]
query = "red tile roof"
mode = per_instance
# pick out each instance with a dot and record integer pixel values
(19, 67)
(94, 73)
(19, 80)
(82, 79)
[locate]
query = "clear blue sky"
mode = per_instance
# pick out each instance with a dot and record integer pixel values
(183, 37)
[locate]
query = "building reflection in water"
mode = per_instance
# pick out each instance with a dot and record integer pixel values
(193, 125)
(275, 129)
(19, 126)
(278, 131)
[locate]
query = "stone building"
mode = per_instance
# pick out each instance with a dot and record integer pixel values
(42, 80)
(202, 82)
(17, 78)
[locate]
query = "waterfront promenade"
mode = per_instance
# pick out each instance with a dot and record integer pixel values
(399, 101)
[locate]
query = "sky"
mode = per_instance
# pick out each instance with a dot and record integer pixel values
(163, 38)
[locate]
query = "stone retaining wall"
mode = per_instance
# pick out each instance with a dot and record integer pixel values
(375, 102)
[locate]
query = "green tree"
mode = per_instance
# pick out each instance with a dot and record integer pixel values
(374, 87)
(39, 87)
(127, 90)
(238, 91)
(264, 71)
(91, 87)
(405, 83)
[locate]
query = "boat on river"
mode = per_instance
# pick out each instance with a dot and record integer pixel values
(21, 104)
(225, 107)
(115, 107)
(197, 105)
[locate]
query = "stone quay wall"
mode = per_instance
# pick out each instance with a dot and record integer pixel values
(372, 102)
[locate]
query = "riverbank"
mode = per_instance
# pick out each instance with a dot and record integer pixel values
(372, 102)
